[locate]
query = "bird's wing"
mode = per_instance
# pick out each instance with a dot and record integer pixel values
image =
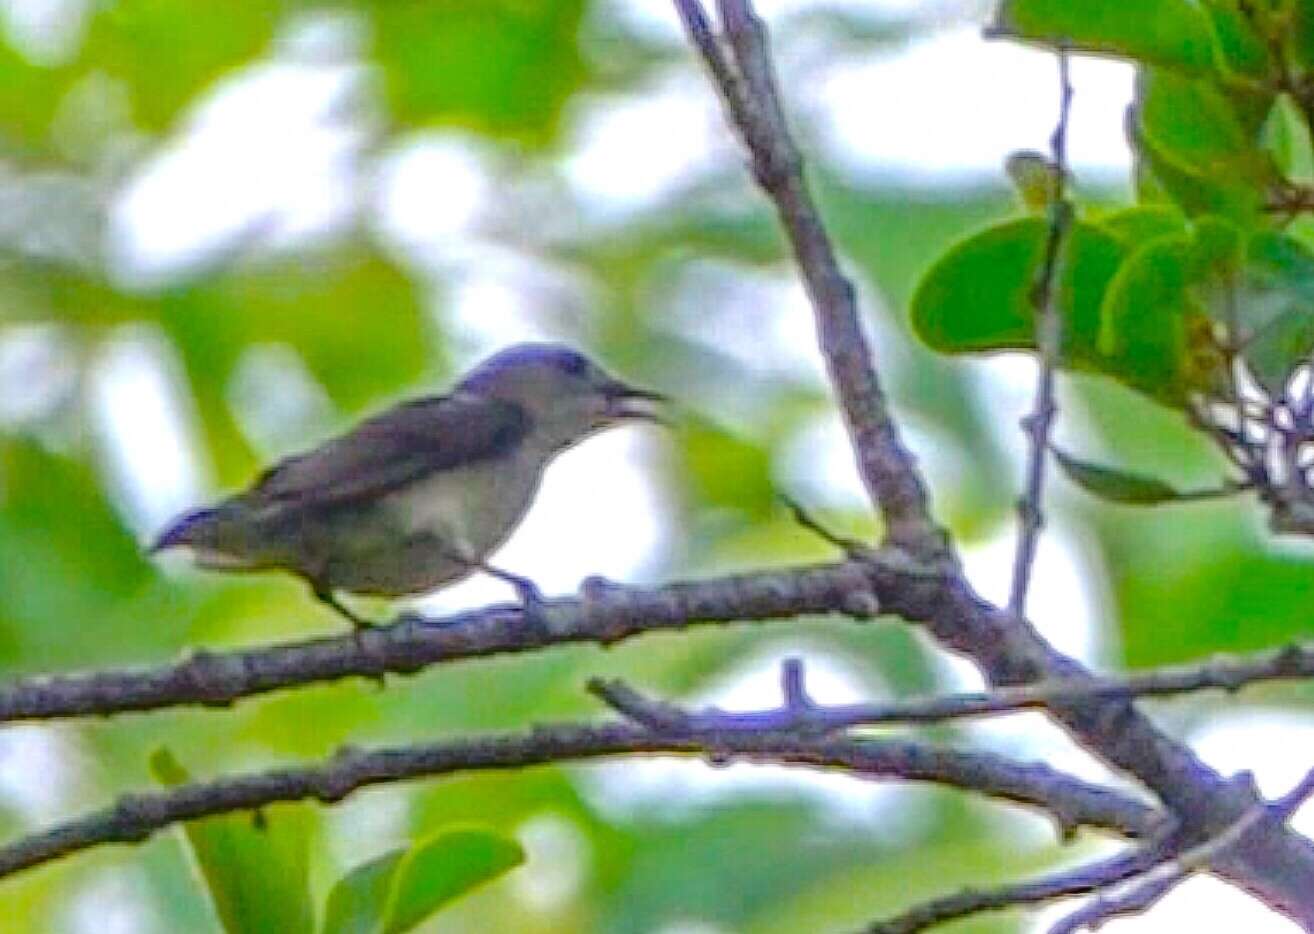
(392, 449)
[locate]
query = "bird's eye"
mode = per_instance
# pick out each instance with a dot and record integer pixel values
(575, 365)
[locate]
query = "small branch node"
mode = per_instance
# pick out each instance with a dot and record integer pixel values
(630, 703)
(794, 688)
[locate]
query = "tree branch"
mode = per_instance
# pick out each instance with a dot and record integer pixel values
(1082, 880)
(1157, 881)
(1276, 865)
(747, 85)
(609, 613)
(135, 817)
(604, 614)
(1224, 673)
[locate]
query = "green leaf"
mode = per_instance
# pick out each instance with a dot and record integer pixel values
(1145, 319)
(727, 471)
(357, 902)
(29, 96)
(1219, 243)
(1194, 191)
(397, 891)
(978, 296)
(1286, 137)
(499, 67)
(1173, 33)
(1191, 122)
(1276, 308)
(1115, 485)
(1137, 225)
(64, 553)
(444, 868)
(1205, 586)
(257, 877)
(1301, 31)
(1242, 51)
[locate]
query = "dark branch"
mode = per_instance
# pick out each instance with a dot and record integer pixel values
(1083, 880)
(1223, 673)
(1277, 866)
(609, 613)
(1157, 881)
(604, 614)
(671, 720)
(135, 817)
(747, 85)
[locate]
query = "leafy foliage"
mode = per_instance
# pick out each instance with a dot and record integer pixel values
(1117, 486)
(992, 275)
(502, 67)
(1199, 135)
(1175, 33)
(1204, 306)
(254, 869)
(394, 892)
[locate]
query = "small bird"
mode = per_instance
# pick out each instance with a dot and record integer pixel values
(419, 495)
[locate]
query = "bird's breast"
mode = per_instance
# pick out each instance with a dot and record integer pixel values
(474, 508)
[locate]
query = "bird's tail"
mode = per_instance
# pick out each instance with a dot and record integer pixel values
(219, 537)
(191, 528)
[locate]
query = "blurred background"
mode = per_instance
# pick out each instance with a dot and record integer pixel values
(228, 229)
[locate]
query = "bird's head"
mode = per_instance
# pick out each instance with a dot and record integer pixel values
(566, 394)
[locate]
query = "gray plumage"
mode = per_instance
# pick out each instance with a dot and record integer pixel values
(417, 496)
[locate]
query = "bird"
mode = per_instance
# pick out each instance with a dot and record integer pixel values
(417, 496)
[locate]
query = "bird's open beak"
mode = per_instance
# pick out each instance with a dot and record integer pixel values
(627, 402)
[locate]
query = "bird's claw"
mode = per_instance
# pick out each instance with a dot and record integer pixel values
(359, 626)
(535, 609)
(534, 606)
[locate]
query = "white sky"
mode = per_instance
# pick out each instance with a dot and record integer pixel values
(946, 108)
(952, 106)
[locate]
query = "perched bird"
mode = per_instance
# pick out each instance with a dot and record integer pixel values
(419, 495)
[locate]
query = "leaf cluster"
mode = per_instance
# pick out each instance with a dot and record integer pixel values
(1200, 295)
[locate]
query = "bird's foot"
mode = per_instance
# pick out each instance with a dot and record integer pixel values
(379, 675)
(533, 604)
(326, 597)
(359, 625)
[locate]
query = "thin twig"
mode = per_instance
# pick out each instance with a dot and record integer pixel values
(850, 546)
(135, 817)
(1049, 328)
(1082, 880)
(1159, 881)
(790, 719)
(747, 85)
(1226, 674)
